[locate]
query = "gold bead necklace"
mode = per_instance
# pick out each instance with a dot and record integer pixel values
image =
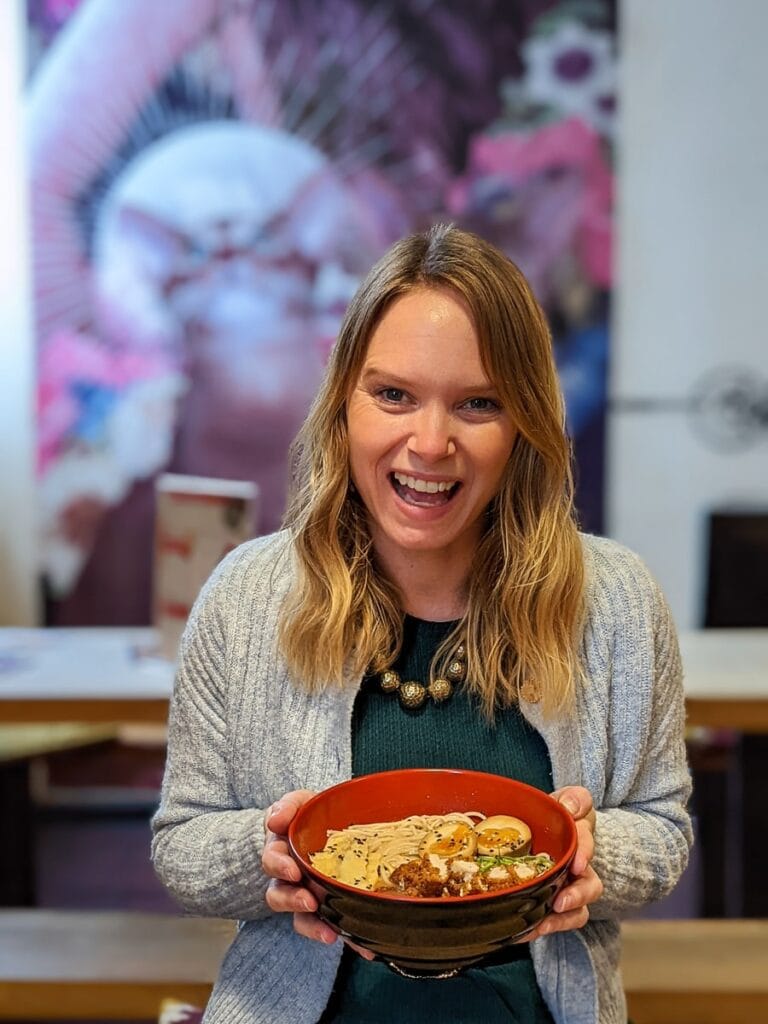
(413, 694)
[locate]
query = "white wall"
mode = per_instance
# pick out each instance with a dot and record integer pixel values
(18, 600)
(693, 273)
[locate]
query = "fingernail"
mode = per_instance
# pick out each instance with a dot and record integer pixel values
(274, 809)
(570, 804)
(304, 904)
(294, 875)
(328, 936)
(562, 904)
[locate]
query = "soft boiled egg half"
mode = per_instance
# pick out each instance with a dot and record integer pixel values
(501, 835)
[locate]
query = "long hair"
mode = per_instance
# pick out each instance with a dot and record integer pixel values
(524, 612)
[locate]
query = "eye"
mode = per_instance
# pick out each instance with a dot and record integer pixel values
(393, 395)
(481, 405)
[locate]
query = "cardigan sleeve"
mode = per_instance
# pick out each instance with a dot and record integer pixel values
(206, 848)
(642, 844)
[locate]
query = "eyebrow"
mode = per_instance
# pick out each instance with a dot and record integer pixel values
(373, 372)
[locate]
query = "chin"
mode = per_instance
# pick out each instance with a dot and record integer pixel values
(426, 540)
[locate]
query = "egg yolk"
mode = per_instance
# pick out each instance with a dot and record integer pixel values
(451, 844)
(500, 837)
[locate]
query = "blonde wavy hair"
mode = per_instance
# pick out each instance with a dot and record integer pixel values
(524, 615)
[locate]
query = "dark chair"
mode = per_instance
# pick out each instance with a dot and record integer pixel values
(730, 776)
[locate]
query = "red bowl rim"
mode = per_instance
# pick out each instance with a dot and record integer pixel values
(387, 897)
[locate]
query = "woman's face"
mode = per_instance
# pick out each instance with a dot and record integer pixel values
(428, 437)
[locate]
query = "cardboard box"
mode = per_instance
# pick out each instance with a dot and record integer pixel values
(198, 520)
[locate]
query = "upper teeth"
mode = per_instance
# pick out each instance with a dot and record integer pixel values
(428, 486)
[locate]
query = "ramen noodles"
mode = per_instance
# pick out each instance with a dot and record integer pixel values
(426, 855)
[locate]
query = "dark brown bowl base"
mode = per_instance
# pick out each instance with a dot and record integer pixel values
(424, 952)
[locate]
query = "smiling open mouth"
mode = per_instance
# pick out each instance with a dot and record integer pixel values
(425, 493)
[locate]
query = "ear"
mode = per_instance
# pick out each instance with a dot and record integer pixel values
(149, 231)
(326, 224)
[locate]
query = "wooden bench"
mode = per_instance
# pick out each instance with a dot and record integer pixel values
(696, 971)
(105, 965)
(56, 965)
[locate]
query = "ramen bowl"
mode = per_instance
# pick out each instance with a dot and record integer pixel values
(433, 936)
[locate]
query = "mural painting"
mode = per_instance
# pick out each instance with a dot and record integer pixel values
(210, 179)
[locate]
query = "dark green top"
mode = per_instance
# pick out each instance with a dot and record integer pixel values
(449, 735)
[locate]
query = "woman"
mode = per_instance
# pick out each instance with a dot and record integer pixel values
(432, 508)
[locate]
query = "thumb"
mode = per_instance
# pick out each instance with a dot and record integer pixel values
(281, 813)
(576, 799)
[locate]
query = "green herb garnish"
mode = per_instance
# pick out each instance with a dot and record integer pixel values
(539, 862)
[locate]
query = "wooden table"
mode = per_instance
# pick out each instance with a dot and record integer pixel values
(726, 678)
(98, 674)
(56, 965)
(103, 675)
(106, 674)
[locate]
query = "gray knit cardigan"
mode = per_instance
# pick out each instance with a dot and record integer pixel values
(242, 734)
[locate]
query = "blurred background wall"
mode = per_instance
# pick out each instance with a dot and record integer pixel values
(688, 431)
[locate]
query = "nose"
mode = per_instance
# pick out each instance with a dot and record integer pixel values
(431, 437)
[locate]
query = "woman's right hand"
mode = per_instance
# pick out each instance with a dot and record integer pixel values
(285, 894)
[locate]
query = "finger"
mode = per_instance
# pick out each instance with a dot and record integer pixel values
(585, 849)
(562, 922)
(565, 922)
(366, 954)
(277, 860)
(311, 927)
(281, 813)
(581, 893)
(278, 863)
(284, 898)
(555, 922)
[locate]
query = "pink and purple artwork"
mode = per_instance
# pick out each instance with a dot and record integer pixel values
(210, 179)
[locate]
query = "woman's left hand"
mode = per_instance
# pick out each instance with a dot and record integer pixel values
(571, 908)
